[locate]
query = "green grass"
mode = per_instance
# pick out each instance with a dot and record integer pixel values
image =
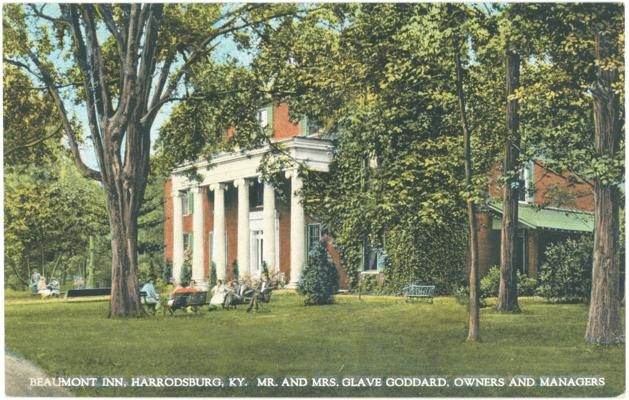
(377, 337)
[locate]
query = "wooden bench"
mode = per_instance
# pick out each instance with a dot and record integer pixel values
(194, 300)
(414, 291)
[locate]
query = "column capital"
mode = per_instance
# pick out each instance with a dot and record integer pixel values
(176, 193)
(198, 189)
(218, 186)
(291, 173)
(242, 182)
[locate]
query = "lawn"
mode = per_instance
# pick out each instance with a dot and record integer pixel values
(372, 337)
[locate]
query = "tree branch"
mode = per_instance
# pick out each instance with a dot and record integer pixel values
(33, 143)
(106, 12)
(85, 170)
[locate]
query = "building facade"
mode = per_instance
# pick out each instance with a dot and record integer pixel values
(231, 216)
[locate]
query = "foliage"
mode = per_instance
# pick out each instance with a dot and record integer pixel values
(490, 282)
(321, 279)
(235, 272)
(31, 131)
(186, 268)
(526, 286)
(50, 213)
(151, 228)
(430, 255)
(566, 276)
(213, 278)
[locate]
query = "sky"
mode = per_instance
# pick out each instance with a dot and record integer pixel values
(227, 48)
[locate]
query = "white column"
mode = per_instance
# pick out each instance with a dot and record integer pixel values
(297, 220)
(219, 257)
(243, 245)
(197, 229)
(177, 235)
(268, 216)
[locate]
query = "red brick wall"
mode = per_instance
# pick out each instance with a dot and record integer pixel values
(546, 182)
(168, 221)
(284, 236)
(282, 127)
(231, 227)
(488, 243)
(582, 195)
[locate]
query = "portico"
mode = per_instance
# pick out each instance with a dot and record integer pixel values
(264, 231)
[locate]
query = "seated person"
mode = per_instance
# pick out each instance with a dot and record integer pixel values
(152, 297)
(54, 287)
(184, 288)
(218, 295)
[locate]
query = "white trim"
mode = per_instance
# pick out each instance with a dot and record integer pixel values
(315, 153)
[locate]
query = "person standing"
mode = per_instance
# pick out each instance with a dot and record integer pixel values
(35, 281)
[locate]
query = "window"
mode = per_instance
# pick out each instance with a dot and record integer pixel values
(187, 202)
(313, 235)
(310, 126)
(263, 117)
(188, 241)
(373, 257)
(256, 194)
(525, 183)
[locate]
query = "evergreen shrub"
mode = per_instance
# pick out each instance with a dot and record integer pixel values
(321, 279)
(490, 284)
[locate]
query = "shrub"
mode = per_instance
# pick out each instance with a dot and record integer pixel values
(235, 271)
(213, 278)
(490, 284)
(566, 276)
(321, 279)
(526, 286)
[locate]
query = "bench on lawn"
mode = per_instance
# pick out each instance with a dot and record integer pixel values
(194, 300)
(414, 291)
(88, 292)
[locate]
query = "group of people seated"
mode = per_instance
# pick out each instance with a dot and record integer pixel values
(39, 286)
(223, 295)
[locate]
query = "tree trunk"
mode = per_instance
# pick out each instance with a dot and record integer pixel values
(125, 301)
(604, 325)
(474, 306)
(508, 290)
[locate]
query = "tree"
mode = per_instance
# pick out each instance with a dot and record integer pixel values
(604, 324)
(31, 132)
(508, 290)
(50, 213)
(474, 305)
(125, 62)
(580, 50)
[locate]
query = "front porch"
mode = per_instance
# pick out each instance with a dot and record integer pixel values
(230, 214)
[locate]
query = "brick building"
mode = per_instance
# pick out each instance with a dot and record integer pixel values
(552, 207)
(232, 216)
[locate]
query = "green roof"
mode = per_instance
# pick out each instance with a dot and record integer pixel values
(561, 219)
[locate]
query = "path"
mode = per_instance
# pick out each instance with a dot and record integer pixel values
(17, 374)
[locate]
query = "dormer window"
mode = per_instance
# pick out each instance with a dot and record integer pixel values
(525, 183)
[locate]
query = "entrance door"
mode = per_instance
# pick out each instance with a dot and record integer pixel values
(257, 256)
